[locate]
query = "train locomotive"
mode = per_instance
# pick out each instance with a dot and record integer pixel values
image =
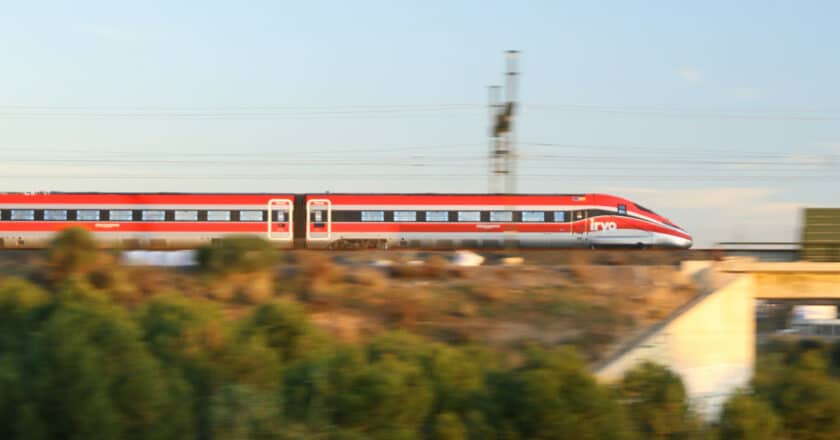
(340, 221)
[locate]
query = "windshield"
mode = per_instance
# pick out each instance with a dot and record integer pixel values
(642, 208)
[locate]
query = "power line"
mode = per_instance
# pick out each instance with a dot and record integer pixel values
(236, 151)
(354, 111)
(669, 149)
(687, 113)
(552, 162)
(290, 113)
(453, 176)
(239, 108)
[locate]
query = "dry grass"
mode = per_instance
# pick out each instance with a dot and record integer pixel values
(371, 279)
(590, 300)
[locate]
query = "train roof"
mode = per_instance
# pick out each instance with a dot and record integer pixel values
(181, 193)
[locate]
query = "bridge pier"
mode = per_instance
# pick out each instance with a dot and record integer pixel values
(710, 342)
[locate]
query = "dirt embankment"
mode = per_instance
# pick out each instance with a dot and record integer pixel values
(590, 300)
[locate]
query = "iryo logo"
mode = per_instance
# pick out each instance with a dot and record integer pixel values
(595, 226)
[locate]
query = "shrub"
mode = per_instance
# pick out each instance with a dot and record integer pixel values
(448, 426)
(240, 254)
(657, 402)
(436, 267)
(749, 418)
(406, 271)
(490, 292)
(316, 268)
(372, 279)
(72, 252)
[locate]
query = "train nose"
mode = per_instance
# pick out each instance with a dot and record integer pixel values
(683, 243)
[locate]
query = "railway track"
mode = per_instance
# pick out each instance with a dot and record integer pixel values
(531, 256)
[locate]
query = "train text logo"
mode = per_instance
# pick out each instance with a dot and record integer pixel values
(595, 226)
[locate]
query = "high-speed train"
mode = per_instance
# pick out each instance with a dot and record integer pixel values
(339, 221)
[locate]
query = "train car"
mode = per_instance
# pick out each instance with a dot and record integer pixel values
(339, 221)
(132, 220)
(485, 221)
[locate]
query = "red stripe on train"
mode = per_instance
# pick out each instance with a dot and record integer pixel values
(621, 223)
(141, 199)
(459, 199)
(46, 226)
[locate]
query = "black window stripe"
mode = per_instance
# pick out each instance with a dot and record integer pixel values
(337, 215)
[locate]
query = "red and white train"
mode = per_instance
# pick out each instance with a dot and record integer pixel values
(337, 221)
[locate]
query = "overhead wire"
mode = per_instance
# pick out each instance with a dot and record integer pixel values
(314, 112)
(710, 160)
(810, 115)
(408, 176)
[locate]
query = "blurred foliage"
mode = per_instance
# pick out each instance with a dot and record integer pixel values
(237, 254)
(799, 382)
(552, 396)
(658, 403)
(73, 252)
(95, 353)
(75, 365)
(746, 417)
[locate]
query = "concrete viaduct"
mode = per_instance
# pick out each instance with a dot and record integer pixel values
(710, 341)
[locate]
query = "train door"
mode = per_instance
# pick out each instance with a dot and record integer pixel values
(319, 218)
(280, 219)
(580, 228)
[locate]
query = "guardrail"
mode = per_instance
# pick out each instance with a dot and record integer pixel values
(811, 250)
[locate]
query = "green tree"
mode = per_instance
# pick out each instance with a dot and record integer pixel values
(808, 400)
(285, 328)
(457, 380)
(22, 306)
(454, 373)
(243, 412)
(552, 396)
(192, 337)
(386, 397)
(90, 376)
(746, 417)
(657, 403)
(448, 426)
(20, 302)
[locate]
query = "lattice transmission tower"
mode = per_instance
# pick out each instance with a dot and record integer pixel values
(502, 158)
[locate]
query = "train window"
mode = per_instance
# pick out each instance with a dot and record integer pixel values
(55, 214)
(279, 216)
(559, 216)
(23, 214)
(87, 215)
(533, 216)
(218, 216)
(153, 216)
(437, 216)
(622, 209)
(579, 215)
(501, 216)
(469, 216)
(122, 215)
(186, 216)
(373, 216)
(405, 216)
(642, 208)
(250, 216)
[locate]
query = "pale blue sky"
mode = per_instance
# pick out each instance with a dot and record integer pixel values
(721, 115)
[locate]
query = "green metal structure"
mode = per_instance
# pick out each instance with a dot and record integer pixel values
(821, 234)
